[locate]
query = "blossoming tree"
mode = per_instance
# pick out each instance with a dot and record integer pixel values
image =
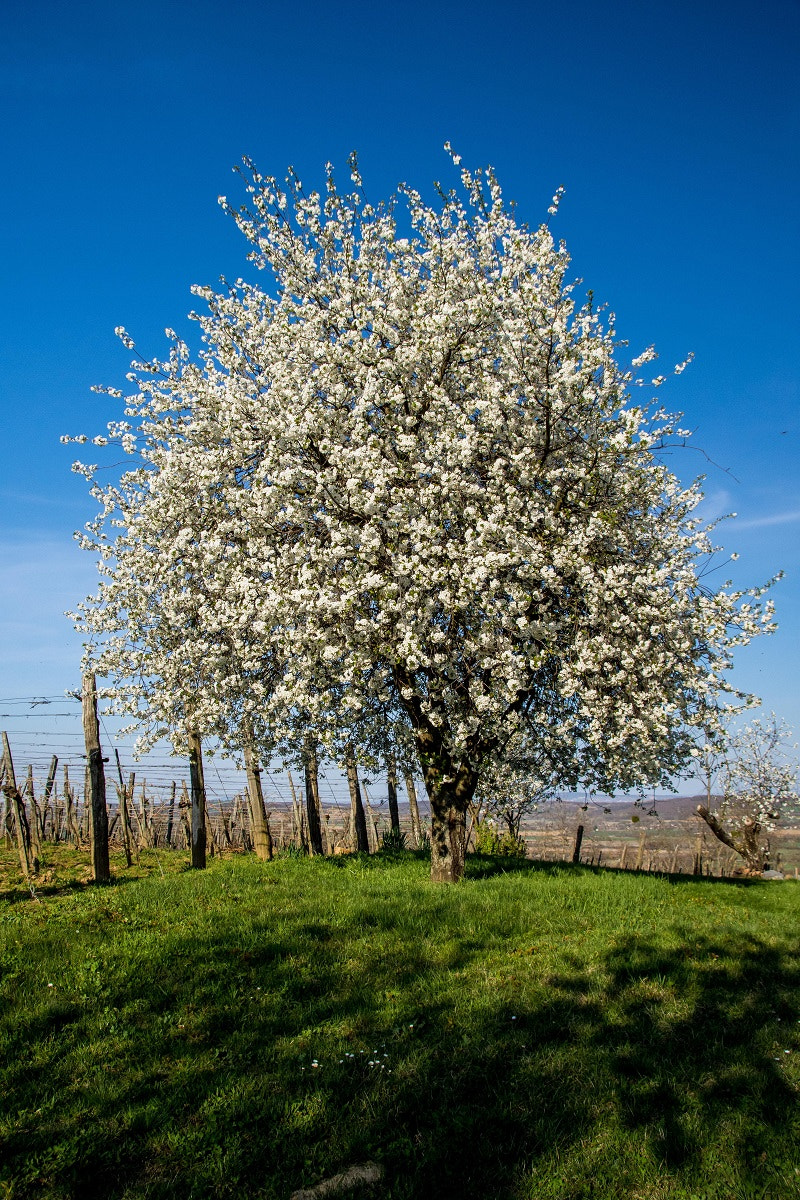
(408, 473)
(758, 774)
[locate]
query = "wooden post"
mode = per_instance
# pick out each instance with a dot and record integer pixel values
(358, 819)
(6, 802)
(36, 819)
(198, 801)
(576, 853)
(122, 802)
(697, 865)
(640, 850)
(97, 780)
(27, 861)
(48, 793)
(391, 791)
(416, 825)
(185, 809)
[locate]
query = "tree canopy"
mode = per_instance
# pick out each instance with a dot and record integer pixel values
(405, 479)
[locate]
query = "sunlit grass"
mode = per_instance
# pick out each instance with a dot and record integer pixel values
(550, 1032)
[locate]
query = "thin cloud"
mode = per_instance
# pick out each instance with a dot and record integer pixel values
(785, 518)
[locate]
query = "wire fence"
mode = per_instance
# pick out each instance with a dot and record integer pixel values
(47, 753)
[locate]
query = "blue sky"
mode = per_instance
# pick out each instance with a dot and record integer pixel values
(674, 128)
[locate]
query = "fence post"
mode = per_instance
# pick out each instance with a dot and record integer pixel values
(697, 865)
(27, 860)
(96, 780)
(48, 792)
(576, 853)
(640, 850)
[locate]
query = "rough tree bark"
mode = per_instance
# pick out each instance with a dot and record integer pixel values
(416, 824)
(391, 780)
(311, 772)
(262, 839)
(747, 841)
(358, 816)
(198, 801)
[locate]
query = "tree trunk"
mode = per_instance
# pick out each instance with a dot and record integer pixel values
(416, 825)
(747, 841)
(450, 789)
(311, 771)
(391, 779)
(262, 840)
(198, 801)
(448, 841)
(97, 781)
(371, 824)
(358, 817)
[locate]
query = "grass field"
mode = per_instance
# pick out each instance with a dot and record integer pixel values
(546, 1033)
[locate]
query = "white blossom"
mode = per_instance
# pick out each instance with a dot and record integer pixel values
(405, 478)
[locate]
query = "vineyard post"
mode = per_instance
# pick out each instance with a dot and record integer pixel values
(35, 824)
(48, 793)
(29, 864)
(123, 811)
(640, 850)
(6, 806)
(96, 780)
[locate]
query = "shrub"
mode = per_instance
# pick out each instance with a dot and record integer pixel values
(489, 841)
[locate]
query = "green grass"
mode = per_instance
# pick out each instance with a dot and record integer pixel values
(548, 1032)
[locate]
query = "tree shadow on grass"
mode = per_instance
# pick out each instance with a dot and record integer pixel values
(267, 1055)
(489, 866)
